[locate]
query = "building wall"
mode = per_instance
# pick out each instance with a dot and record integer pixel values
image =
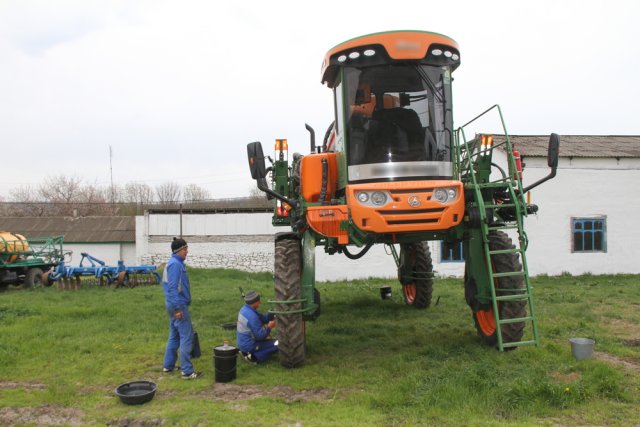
(582, 188)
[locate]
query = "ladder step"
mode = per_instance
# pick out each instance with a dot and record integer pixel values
(498, 184)
(509, 274)
(522, 291)
(503, 205)
(503, 227)
(515, 320)
(506, 251)
(519, 297)
(519, 343)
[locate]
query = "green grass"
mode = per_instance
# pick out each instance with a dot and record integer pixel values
(370, 362)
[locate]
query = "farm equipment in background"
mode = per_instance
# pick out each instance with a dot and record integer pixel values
(97, 272)
(26, 261)
(393, 170)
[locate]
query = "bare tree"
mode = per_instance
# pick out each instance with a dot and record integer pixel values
(168, 193)
(195, 193)
(137, 193)
(25, 201)
(59, 189)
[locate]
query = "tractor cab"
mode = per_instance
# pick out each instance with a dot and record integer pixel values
(392, 98)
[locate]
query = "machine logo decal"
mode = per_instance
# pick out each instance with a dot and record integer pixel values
(413, 201)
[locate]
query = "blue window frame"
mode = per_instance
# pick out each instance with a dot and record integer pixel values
(451, 252)
(589, 234)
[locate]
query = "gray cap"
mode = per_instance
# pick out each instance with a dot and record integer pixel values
(251, 297)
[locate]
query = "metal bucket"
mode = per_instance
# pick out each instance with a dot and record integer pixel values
(582, 348)
(224, 362)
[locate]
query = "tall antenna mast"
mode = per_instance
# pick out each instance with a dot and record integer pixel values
(111, 172)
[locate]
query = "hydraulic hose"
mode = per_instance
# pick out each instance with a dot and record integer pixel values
(358, 255)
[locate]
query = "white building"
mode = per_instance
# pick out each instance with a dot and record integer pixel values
(108, 238)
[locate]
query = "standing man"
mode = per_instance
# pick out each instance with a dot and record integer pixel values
(254, 329)
(177, 292)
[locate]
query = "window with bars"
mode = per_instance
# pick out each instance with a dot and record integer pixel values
(451, 252)
(589, 234)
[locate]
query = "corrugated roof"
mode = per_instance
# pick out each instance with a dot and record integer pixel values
(577, 145)
(101, 229)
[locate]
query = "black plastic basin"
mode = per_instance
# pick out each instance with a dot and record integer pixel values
(136, 392)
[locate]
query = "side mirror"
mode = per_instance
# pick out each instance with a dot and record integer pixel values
(554, 148)
(552, 161)
(256, 160)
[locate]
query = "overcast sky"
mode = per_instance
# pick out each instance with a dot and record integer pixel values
(178, 88)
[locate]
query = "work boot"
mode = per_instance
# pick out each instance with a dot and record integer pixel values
(249, 358)
(192, 376)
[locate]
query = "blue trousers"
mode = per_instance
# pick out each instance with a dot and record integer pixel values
(264, 349)
(180, 337)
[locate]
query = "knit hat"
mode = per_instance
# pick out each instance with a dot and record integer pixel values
(251, 297)
(178, 244)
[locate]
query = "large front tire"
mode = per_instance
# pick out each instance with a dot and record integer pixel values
(483, 317)
(416, 274)
(287, 275)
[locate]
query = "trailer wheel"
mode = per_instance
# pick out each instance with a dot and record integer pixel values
(122, 279)
(483, 317)
(33, 278)
(46, 280)
(291, 327)
(415, 274)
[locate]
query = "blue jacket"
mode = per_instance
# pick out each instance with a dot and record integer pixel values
(175, 283)
(251, 327)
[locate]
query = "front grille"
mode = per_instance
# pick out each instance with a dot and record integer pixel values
(413, 221)
(411, 211)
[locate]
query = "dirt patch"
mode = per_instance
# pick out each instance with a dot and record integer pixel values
(624, 329)
(135, 423)
(41, 416)
(10, 385)
(571, 377)
(632, 342)
(627, 364)
(235, 392)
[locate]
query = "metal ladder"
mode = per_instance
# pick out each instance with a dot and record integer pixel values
(467, 153)
(497, 294)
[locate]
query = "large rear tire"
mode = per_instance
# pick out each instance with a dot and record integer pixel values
(33, 278)
(483, 317)
(287, 275)
(416, 274)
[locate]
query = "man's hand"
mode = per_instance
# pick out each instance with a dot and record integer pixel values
(178, 315)
(272, 324)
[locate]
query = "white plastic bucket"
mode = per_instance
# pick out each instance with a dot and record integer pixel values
(582, 348)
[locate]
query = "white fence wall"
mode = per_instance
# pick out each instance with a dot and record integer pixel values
(245, 242)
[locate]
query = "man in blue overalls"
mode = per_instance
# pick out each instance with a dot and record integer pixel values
(254, 329)
(177, 292)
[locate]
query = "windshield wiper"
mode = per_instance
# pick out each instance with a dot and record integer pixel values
(425, 78)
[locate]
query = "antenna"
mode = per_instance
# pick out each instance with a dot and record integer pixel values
(111, 172)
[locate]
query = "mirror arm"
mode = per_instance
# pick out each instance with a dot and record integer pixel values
(535, 184)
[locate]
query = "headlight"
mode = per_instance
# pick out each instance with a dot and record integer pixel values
(372, 198)
(363, 197)
(378, 198)
(445, 195)
(440, 195)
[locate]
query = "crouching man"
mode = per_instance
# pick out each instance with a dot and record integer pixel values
(254, 329)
